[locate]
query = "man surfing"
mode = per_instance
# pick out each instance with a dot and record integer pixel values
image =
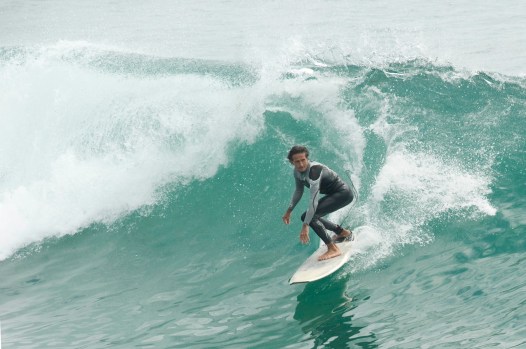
(320, 180)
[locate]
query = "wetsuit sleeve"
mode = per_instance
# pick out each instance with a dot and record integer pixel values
(315, 176)
(298, 193)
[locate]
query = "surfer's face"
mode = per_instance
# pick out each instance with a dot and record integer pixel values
(300, 162)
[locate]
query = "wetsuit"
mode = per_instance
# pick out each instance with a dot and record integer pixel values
(321, 180)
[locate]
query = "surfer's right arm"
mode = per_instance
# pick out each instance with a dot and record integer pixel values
(296, 196)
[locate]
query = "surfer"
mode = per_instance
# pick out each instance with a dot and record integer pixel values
(320, 180)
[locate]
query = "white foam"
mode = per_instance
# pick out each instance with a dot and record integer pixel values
(431, 184)
(82, 146)
(320, 103)
(410, 191)
(414, 188)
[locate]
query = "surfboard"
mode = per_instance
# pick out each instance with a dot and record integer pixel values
(313, 269)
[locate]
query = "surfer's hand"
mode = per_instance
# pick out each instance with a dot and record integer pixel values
(286, 217)
(304, 234)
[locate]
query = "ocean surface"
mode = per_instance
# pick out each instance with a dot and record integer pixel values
(143, 172)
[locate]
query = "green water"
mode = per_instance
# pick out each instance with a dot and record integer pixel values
(141, 198)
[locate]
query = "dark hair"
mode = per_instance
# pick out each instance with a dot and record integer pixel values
(297, 149)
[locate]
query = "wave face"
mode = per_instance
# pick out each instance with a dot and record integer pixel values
(141, 196)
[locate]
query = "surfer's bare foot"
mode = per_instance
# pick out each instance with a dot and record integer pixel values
(332, 251)
(342, 235)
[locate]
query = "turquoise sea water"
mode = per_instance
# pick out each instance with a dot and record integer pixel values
(143, 173)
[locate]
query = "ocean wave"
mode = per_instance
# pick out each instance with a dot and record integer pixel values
(94, 133)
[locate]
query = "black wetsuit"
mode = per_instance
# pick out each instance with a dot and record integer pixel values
(321, 180)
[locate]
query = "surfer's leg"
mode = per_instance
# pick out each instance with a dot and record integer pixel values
(318, 228)
(336, 228)
(331, 203)
(326, 205)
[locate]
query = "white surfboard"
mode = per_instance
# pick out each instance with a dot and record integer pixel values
(313, 269)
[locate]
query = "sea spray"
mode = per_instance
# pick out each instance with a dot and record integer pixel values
(78, 139)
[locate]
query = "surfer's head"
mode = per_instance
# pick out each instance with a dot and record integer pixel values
(297, 149)
(299, 157)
